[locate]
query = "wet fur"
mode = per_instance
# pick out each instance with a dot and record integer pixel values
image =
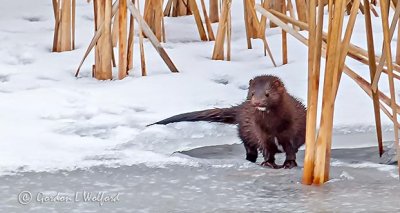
(283, 120)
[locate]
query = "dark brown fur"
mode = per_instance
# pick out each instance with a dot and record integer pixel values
(283, 120)
(269, 114)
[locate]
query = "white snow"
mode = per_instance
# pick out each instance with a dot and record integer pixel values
(51, 120)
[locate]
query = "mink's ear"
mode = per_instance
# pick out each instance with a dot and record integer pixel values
(250, 82)
(277, 83)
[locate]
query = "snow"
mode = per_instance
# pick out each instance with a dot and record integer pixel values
(53, 121)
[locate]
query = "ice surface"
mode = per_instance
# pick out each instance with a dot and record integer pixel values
(222, 182)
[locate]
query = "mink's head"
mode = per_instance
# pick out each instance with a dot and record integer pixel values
(265, 92)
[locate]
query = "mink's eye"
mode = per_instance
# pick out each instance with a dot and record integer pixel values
(267, 93)
(252, 93)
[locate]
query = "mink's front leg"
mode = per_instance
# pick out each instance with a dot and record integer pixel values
(269, 152)
(290, 161)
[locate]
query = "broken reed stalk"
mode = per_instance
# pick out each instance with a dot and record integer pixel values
(386, 40)
(164, 39)
(96, 28)
(311, 95)
(359, 80)
(301, 7)
(228, 37)
(280, 23)
(103, 69)
(324, 136)
(398, 44)
(57, 21)
(335, 63)
(254, 27)
(100, 70)
(383, 56)
(141, 47)
(355, 52)
(122, 37)
(263, 20)
(346, 40)
(159, 19)
(385, 99)
(99, 27)
(181, 8)
(131, 37)
(373, 10)
(314, 63)
(199, 22)
(367, 89)
(268, 50)
(362, 8)
(275, 5)
(218, 53)
(210, 31)
(73, 23)
(398, 41)
(55, 8)
(153, 16)
(284, 38)
(398, 62)
(184, 8)
(261, 31)
(147, 31)
(167, 10)
(214, 15)
(115, 31)
(152, 38)
(291, 11)
(372, 70)
(64, 27)
(247, 24)
(177, 8)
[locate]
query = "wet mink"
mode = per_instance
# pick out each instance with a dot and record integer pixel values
(270, 116)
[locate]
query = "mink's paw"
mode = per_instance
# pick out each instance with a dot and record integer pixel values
(289, 164)
(270, 165)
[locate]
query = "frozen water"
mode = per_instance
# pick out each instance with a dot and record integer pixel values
(222, 181)
(55, 121)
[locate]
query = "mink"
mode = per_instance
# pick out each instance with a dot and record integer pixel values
(270, 117)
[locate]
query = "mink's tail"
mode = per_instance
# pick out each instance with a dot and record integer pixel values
(221, 115)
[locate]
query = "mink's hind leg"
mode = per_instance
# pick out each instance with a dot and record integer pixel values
(251, 153)
(250, 144)
(269, 152)
(290, 151)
